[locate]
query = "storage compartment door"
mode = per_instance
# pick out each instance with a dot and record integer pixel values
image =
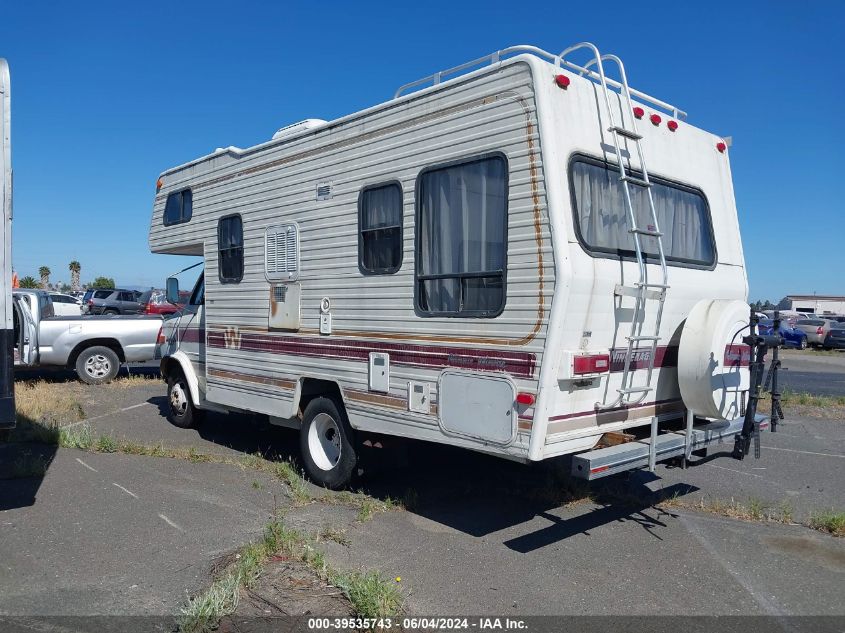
(477, 406)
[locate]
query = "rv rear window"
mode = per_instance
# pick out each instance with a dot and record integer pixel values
(178, 208)
(230, 249)
(461, 239)
(601, 215)
(380, 229)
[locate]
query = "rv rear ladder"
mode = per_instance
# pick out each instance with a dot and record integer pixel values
(643, 289)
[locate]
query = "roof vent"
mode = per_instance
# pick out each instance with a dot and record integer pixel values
(296, 128)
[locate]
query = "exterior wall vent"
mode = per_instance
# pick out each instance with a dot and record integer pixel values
(324, 191)
(281, 252)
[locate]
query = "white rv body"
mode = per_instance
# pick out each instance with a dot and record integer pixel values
(502, 382)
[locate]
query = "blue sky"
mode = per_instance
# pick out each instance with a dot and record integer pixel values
(107, 95)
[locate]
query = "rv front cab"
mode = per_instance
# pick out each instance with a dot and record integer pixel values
(172, 290)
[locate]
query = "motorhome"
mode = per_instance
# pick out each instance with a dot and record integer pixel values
(521, 255)
(7, 332)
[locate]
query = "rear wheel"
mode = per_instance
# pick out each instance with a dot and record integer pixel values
(97, 365)
(110, 312)
(803, 344)
(181, 411)
(327, 444)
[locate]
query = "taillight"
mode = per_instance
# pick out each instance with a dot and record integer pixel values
(160, 340)
(90, 302)
(592, 364)
(820, 330)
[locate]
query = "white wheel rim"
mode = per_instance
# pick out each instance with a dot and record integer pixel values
(178, 399)
(324, 441)
(97, 366)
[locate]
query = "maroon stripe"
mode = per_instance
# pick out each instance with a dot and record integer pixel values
(520, 364)
(666, 356)
(193, 335)
(622, 408)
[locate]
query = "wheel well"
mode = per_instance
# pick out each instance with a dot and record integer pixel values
(169, 365)
(111, 343)
(315, 388)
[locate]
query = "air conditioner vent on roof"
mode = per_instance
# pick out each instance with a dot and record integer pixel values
(296, 128)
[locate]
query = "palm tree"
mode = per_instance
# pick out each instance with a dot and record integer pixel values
(45, 277)
(28, 282)
(75, 268)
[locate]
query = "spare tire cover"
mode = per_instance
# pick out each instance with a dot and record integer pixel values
(713, 360)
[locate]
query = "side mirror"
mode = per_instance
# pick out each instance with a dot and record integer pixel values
(172, 290)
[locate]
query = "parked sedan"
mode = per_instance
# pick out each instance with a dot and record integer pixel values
(113, 301)
(155, 302)
(66, 305)
(792, 337)
(835, 338)
(815, 329)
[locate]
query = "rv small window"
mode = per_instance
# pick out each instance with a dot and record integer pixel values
(230, 249)
(380, 229)
(601, 215)
(178, 208)
(461, 239)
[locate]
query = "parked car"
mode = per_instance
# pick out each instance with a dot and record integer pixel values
(835, 338)
(66, 305)
(113, 301)
(95, 346)
(815, 329)
(155, 302)
(792, 337)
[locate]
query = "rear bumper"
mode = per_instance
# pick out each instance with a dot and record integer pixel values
(623, 457)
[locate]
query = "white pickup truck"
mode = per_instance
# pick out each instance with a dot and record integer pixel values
(95, 346)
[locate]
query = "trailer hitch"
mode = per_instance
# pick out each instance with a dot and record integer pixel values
(760, 344)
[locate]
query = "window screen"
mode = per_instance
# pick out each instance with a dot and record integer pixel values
(178, 207)
(602, 216)
(380, 229)
(230, 249)
(461, 239)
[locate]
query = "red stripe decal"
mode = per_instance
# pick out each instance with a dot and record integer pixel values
(520, 364)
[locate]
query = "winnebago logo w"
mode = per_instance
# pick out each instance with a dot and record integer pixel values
(232, 338)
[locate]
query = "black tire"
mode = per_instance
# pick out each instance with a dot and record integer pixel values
(110, 312)
(325, 430)
(803, 344)
(97, 365)
(181, 411)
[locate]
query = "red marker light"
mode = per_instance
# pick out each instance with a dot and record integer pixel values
(562, 81)
(639, 113)
(525, 398)
(655, 119)
(672, 125)
(721, 146)
(159, 183)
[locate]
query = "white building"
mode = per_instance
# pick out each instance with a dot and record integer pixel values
(818, 304)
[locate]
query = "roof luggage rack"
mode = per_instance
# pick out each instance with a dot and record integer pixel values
(557, 60)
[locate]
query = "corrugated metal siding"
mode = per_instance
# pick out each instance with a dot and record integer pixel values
(494, 112)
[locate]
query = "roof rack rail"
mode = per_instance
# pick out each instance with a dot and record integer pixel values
(557, 60)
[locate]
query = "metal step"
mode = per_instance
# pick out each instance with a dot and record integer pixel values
(621, 131)
(646, 232)
(643, 338)
(631, 291)
(643, 389)
(623, 457)
(635, 181)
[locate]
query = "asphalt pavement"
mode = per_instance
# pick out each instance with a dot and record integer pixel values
(810, 371)
(102, 534)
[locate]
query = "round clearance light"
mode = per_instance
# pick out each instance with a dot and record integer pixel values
(721, 146)
(525, 399)
(672, 125)
(655, 119)
(639, 113)
(562, 81)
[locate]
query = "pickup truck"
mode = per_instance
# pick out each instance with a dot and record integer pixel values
(95, 346)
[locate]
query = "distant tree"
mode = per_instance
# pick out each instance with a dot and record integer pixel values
(757, 306)
(45, 276)
(784, 304)
(28, 282)
(768, 305)
(65, 288)
(75, 269)
(102, 282)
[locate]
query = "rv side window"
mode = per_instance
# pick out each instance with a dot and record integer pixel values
(230, 249)
(380, 229)
(601, 215)
(178, 208)
(461, 239)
